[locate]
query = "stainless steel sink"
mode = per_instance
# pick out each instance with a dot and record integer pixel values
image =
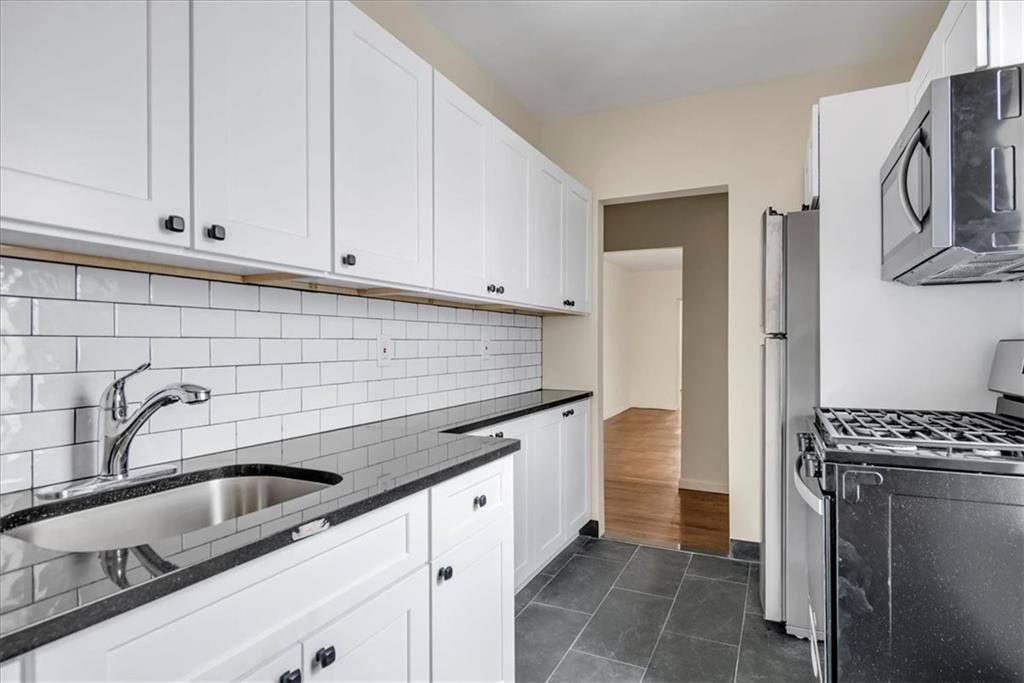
(176, 510)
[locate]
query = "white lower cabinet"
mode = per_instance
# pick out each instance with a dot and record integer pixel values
(385, 639)
(473, 596)
(359, 602)
(551, 482)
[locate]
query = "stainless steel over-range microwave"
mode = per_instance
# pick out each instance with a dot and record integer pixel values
(953, 185)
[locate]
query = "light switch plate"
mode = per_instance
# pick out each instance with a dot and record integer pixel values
(385, 351)
(485, 345)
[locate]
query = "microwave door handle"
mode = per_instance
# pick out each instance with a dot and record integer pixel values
(901, 178)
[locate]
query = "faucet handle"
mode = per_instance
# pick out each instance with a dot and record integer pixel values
(119, 383)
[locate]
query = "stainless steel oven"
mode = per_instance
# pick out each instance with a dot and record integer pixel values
(953, 184)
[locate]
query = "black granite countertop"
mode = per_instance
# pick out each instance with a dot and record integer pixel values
(47, 594)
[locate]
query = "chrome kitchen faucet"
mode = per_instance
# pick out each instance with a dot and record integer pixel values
(117, 429)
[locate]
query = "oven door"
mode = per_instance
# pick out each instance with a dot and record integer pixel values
(906, 194)
(807, 484)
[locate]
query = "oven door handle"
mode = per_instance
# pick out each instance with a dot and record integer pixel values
(901, 179)
(812, 500)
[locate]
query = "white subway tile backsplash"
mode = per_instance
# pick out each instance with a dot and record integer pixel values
(317, 303)
(257, 324)
(203, 440)
(29, 431)
(261, 430)
(180, 353)
(16, 393)
(102, 284)
(280, 300)
(64, 463)
(205, 322)
(72, 318)
(132, 320)
(237, 297)
(15, 472)
(234, 351)
(295, 326)
(15, 315)
(280, 351)
(300, 362)
(258, 377)
(112, 353)
(71, 390)
(178, 291)
(20, 277)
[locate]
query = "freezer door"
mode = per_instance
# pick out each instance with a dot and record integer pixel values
(773, 311)
(772, 579)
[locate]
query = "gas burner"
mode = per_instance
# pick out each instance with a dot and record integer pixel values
(922, 432)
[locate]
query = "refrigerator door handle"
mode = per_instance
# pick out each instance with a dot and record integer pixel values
(772, 570)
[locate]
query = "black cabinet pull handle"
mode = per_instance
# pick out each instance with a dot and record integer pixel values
(492, 288)
(293, 676)
(445, 573)
(480, 501)
(499, 434)
(325, 656)
(501, 289)
(216, 232)
(348, 259)
(565, 302)
(565, 413)
(572, 302)
(174, 224)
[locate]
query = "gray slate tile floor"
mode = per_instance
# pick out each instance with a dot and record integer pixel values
(612, 611)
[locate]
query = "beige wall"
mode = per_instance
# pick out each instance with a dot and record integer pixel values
(402, 20)
(700, 225)
(750, 140)
(641, 333)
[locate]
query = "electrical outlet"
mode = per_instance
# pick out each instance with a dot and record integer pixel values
(485, 345)
(385, 351)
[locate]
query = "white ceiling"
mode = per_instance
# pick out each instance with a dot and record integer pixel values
(567, 57)
(647, 259)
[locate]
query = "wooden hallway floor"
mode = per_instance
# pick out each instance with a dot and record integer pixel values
(643, 501)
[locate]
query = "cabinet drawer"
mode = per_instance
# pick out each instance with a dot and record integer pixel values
(220, 637)
(462, 506)
(385, 639)
(277, 669)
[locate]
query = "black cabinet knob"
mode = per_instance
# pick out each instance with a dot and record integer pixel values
(293, 676)
(565, 302)
(348, 259)
(492, 288)
(174, 224)
(216, 232)
(480, 501)
(572, 302)
(501, 289)
(565, 413)
(499, 434)
(445, 573)
(325, 656)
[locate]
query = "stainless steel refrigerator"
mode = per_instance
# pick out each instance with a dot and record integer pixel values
(791, 543)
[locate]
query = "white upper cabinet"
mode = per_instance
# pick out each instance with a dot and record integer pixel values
(263, 130)
(461, 134)
(383, 148)
(972, 34)
(547, 219)
(576, 248)
(508, 221)
(94, 117)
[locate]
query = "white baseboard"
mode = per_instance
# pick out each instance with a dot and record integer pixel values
(698, 485)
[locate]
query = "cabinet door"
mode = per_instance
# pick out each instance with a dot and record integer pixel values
(461, 132)
(383, 142)
(576, 248)
(385, 639)
(547, 215)
(472, 620)
(508, 220)
(545, 488)
(576, 468)
(94, 118)
(262, 129)
(277, 668)
(963, 33)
